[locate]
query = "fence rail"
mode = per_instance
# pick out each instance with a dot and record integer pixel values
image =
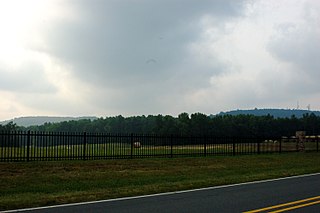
(43, 146)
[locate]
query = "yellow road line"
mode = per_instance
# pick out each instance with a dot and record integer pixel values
(283, 205)
(297, 207)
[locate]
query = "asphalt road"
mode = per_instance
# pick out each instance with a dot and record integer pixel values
(233, 198)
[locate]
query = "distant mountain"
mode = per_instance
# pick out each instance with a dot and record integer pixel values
(39, 120)
(277, 113)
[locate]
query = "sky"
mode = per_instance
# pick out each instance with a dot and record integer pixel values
(142, 57)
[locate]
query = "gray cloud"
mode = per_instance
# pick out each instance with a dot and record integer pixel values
(116, 38)
(113, 43)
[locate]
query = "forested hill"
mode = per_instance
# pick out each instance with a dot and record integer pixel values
(277, 113)
(40, 120)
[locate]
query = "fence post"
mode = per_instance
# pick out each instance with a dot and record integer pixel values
(233, 147)
(280, 146)
(258, 146)
(205, 146)
(84, 145)
(131, 140)
(318, 144)
(28, 145)
(171, 146)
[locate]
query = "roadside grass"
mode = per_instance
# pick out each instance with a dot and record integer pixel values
(49, 183)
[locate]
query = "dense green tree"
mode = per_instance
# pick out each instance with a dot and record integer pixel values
(200, 124)
(185, 124)
(10, 127)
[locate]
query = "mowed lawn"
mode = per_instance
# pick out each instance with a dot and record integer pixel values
(31, 184)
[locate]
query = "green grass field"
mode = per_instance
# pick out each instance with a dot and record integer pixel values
(33, 184)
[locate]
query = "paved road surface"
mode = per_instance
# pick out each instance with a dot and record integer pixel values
(236, 198)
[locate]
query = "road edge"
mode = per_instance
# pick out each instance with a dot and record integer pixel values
(162, 194)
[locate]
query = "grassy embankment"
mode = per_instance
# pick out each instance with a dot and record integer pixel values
(49, 183)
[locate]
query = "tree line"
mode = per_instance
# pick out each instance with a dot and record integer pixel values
(185, 124)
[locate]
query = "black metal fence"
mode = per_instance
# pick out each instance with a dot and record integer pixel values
(41, 146)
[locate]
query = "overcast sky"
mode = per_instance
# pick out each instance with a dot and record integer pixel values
(141, 57)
